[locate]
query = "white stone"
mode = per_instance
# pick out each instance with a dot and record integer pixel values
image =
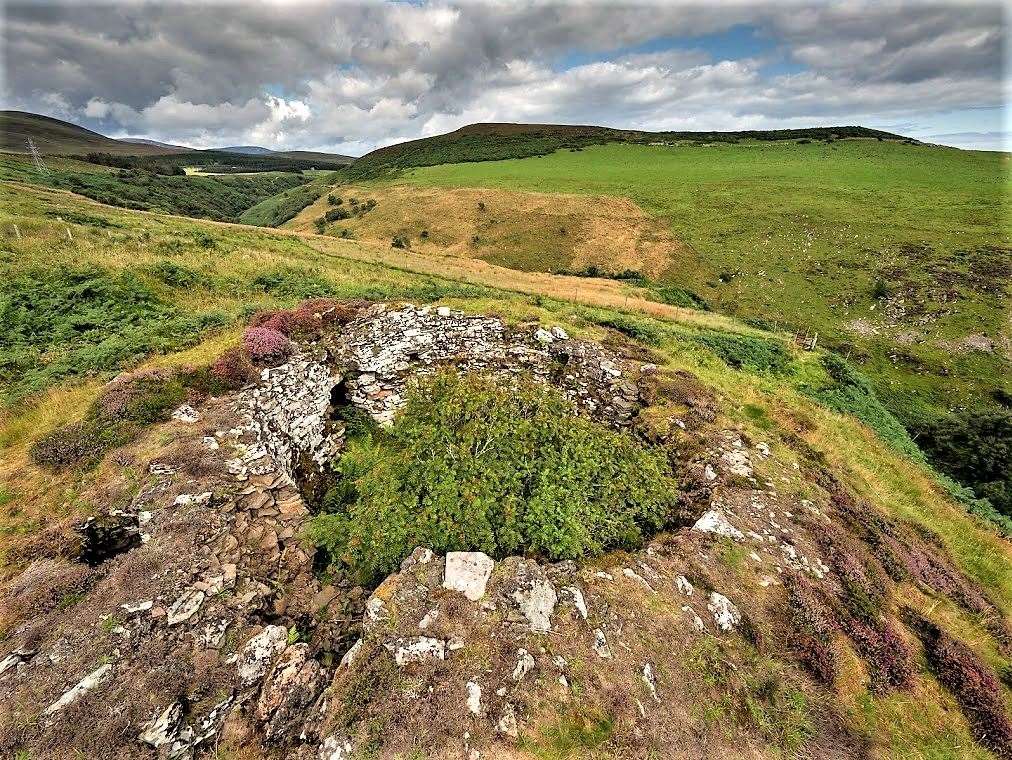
(416, 649)
(633, 575)
(737, 463)
(473, 698)
(430, 617)
(335, 749)
(186, 499)
(185, 607)
(709, 473)
(697, 621)
(144, 606)
(351, 654)
(186, 413)
(508, 722)
(559, 333)
(525, 664)
(260, 651)
(468, 573)
(763, 449)
(537, 604)
(162, 730)
(683, 585)
(650, 680)
(578, 601)
(725, 614)
(15, 658)
(86, 684)
(714, 521)
(543, 336)
(601, 645)
(443, 311)
(375, 609)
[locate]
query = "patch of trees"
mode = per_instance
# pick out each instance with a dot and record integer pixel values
(213, 161)
(975, 449)
(219, 198)
(139, 163)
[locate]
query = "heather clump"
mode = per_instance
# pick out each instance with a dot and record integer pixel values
(233, 369)
(974, 685)
(812, 627)
(266, 344)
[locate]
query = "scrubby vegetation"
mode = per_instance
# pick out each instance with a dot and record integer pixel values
(975, 449)
(66, 321)
(222, 199)
(126, 406)
(278, 209)
(473, 465)
(747, 352)
(973, 684)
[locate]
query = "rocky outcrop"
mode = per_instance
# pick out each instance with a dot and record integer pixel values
(388, 345)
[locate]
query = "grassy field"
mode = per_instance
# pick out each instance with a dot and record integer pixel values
(897, 255)
(130, 289)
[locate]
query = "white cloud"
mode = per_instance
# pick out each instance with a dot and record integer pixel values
(359, 75)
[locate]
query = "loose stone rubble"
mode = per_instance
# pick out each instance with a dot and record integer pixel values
(390, 344)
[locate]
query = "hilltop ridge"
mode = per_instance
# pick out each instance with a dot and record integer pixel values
(496, 141)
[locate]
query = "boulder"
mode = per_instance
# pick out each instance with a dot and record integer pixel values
(468, 573)
(725, 614)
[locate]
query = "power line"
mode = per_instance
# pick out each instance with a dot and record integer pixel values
(39, 166)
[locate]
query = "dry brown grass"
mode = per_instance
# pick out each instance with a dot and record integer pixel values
(530, 231)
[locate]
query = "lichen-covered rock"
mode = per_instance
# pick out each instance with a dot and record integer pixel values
(725, 614)
(289, 691)
(259, 653)
(164, 728)
(535, 596)
(714, 521)
(185, 607)
(91, 681)
(416, 649)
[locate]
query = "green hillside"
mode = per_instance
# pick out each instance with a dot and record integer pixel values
(221, 198)
(494, 142)
(897, 255)
(278, 209)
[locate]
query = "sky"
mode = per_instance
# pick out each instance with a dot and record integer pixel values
(349, 77)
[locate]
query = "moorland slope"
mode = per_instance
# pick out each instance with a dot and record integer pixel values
(779, 580)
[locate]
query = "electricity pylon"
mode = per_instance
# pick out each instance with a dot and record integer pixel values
(41, 167)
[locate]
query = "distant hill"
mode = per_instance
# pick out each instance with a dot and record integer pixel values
(310, 155)
(496, 142)
(145, 141)
(53, 136)
(248, 150)
(302, 155)
(56, 137)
